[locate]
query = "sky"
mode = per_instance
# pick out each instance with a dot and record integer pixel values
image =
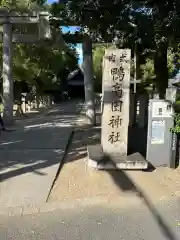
(51, 1)
(72, 30)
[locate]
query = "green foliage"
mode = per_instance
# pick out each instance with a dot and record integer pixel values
(170, 58)
(147, 71)
(40, 64)
(176, 128)
(98, 53)
(21, 5)
(154, 25)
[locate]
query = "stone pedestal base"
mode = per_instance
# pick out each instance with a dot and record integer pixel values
(99, 160)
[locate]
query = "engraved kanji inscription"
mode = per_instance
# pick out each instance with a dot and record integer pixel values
(117, 78)
(112, 58)
(116, 106)
(115, 121)
(123, 58)
(117, 71)
(117, 89)
(117, 74)
(116, 100)
(114, 137)
(114, 71)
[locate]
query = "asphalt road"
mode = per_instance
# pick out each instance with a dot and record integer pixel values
(95, 223)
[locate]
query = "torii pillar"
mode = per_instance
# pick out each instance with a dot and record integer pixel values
(88, 80)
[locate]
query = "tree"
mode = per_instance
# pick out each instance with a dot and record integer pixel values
(30, 66)
(98, 53)
(21, 4)
(157, 27)
(165, 18)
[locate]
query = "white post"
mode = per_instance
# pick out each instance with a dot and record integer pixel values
(88, 80)
(23, 104)
(7, 73)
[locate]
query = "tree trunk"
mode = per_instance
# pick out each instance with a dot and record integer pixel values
(161, 69)
(88, 81)
(138, 63)
(7, 74)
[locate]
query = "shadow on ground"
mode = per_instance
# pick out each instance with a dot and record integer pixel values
(34, 112)
(85, 136)
(37, 143)
(123, 181)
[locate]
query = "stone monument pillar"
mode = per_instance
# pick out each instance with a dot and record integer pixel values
(7, 73)
(88, 80)
(113, 150)
(115, 116)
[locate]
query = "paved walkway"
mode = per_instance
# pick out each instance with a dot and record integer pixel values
(30, 155)
(97, 222)
(77, 181)
(91, 204)
(101, 204)
(80, 184)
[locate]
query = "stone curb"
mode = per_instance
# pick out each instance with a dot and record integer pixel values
(43, 207)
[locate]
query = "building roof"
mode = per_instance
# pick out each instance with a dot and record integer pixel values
(73, 74)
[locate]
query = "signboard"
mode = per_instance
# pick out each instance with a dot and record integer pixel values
(157, 132)
(174, 142)
(161, 109)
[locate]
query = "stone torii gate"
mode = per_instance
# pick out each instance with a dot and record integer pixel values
(8, 37)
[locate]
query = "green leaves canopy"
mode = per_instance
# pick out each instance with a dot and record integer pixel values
(40, 64)
(153, 25)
